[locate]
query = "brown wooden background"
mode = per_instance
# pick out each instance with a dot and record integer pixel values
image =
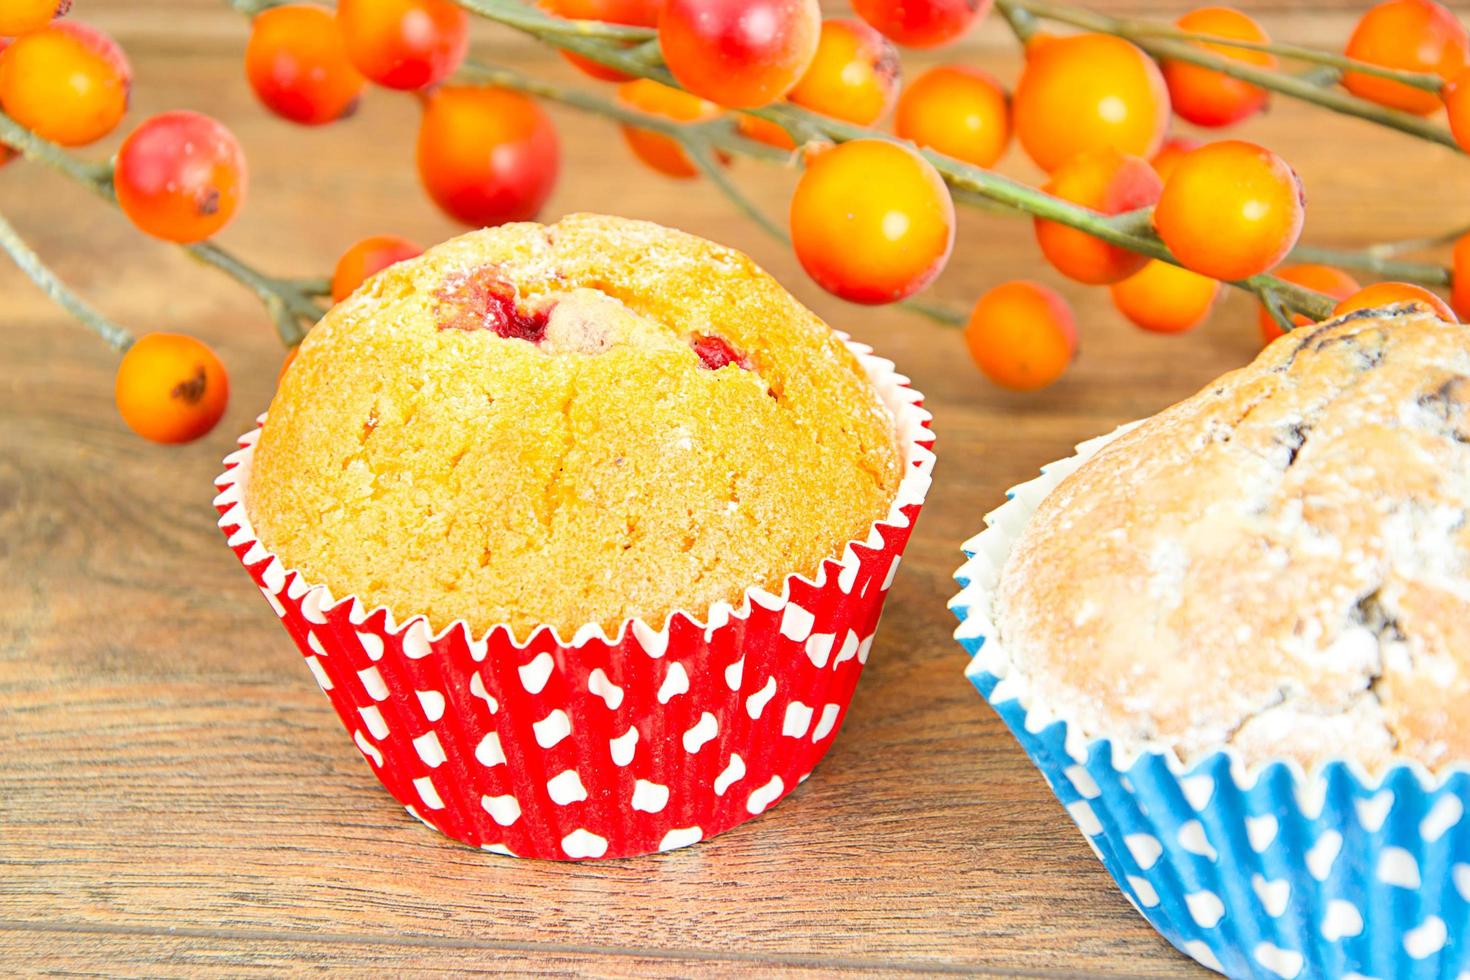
(175, 794)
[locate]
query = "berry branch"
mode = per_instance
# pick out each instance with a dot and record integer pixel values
(698, 140)
(1158, 40)
(291, 302)
(118, 338)
(965, 179)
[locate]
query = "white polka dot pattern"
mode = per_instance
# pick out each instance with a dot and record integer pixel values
(599, 745)
(1265, 872)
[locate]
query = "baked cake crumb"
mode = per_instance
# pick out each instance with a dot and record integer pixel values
(1280, 563)
(569, 424)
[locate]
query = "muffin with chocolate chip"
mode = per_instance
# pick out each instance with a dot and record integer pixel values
(1235, 638)
(566, 425)
(1280, 564)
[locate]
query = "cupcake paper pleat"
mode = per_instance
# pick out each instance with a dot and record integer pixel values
(1266, 872)
(599, 747)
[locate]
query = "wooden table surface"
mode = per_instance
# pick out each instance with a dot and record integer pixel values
(176, 796)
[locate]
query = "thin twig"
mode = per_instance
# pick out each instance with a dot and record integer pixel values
(118, 338)
(1423, 273)
(1294, 52)
(961, 177)
(291, 302)
(1287, 84)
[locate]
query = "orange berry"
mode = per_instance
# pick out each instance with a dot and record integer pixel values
(854, 75)
(297, 65)
(1460, 278)
(67, 83)
(486, 155)
(367, 258)
(180, 176)
(1322, 278)
(1089, 92)
(1406, 35)
(1163, 298)
(7, 153)
(1210, 98)
(739, 53)
(1169, 155)
(763, 131)
(1382, 294)
(23, 16)
(956, 110)
(1456, 94)
(1230, 210)
(661, 152)
(1022, 335)
(171, 388)
(286, 364)
(921, 23)
(632, 13)
(1107, 182)
(871, 221)
(404, 44)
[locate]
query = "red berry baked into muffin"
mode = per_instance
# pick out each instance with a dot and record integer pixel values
(579, 423)
(585, 530)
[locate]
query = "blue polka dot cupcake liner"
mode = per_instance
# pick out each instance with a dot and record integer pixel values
(1262, 871)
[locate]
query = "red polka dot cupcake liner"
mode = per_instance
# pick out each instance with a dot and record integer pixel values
(598, 746)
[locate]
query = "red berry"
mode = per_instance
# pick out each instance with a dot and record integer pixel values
(871, 221)
(1107, 182)
(854, 75)
(739, 53)
(1460, 278)
(1407, 35)
(1382, 294)
(404, 44)
(180, 176)
(23, 16)
(487, 155)
(1022, 335)
(367, 258)
(171, 388)
(1163, 298)
(716, 352)
(1230, 210)
(1207, 97)
(956, 110)
(1321, 278)
(921, 23)
(297, 65)
(482, 300)
(68, 83)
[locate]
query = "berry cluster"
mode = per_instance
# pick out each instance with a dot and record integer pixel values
(1159, 218)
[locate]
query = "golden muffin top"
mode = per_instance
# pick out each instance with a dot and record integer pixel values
(569, 424)
(1280, 563)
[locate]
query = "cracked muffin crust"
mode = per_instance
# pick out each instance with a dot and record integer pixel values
(569, 424)
(1280, 563)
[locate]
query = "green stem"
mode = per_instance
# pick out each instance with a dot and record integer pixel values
(118, 338)
(291, 302)
(1021, 23)
(961, 177)
(1380, 266)
(1289, 85)
(1295, 52)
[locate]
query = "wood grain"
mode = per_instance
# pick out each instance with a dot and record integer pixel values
(176, 796)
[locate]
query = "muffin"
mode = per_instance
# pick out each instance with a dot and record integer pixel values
(1236, 639)
(581, 423)
(584, 529)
